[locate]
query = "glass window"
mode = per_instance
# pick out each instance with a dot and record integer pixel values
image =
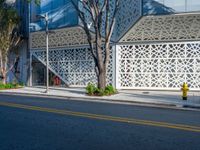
(60, 12)
(152, 7)
(193, 5)
(176, 5)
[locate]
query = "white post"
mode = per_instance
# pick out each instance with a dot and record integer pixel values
(117, 67)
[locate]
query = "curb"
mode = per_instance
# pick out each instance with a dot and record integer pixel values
(113, 101)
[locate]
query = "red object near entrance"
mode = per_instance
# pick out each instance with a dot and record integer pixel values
(56, 80)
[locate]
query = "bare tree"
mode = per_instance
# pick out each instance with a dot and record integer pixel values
(102, 16)
(9, 38)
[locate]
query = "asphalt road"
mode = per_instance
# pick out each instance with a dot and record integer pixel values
(32, 123)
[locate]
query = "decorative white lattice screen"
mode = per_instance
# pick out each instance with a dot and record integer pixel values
(181, 27)
(75, 66)
(66, 37)
(164, 65)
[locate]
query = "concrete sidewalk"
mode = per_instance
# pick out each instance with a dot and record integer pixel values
(160, 98)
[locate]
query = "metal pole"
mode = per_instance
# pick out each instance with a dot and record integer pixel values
(30, 70)
(47, 54)
(30, 79)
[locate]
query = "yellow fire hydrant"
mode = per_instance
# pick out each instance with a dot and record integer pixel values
(185, 90)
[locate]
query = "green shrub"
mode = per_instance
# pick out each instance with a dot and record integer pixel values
(1, 86)
(21, 84)
(99, 92)
(109, 90)
(9, 85)
(91, 89)
(106, 92)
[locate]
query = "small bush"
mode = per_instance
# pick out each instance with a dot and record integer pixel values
(109, 90)
(21, 84)
(91, 89)
(10, 85)
(99, 92)
(1, 86)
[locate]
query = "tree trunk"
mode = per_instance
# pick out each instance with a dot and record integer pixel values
(4, 78)
(102, 79)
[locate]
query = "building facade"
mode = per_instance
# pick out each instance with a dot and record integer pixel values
(22, 70)
(157, 45)
(18, 57)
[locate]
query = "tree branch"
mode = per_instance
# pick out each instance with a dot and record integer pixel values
(109, 32)
(86, 29)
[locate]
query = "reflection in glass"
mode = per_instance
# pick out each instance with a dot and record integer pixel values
(193, 5)
(177, 5)
(154, 7)
(61, 14)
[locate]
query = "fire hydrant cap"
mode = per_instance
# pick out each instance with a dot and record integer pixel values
(185, 86)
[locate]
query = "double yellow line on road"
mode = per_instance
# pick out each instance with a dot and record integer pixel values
(104, 117)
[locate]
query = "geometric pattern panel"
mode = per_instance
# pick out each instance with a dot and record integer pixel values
(165, 28)
(129, 12)
(75, 66)
(60, 38)
(163, 65)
